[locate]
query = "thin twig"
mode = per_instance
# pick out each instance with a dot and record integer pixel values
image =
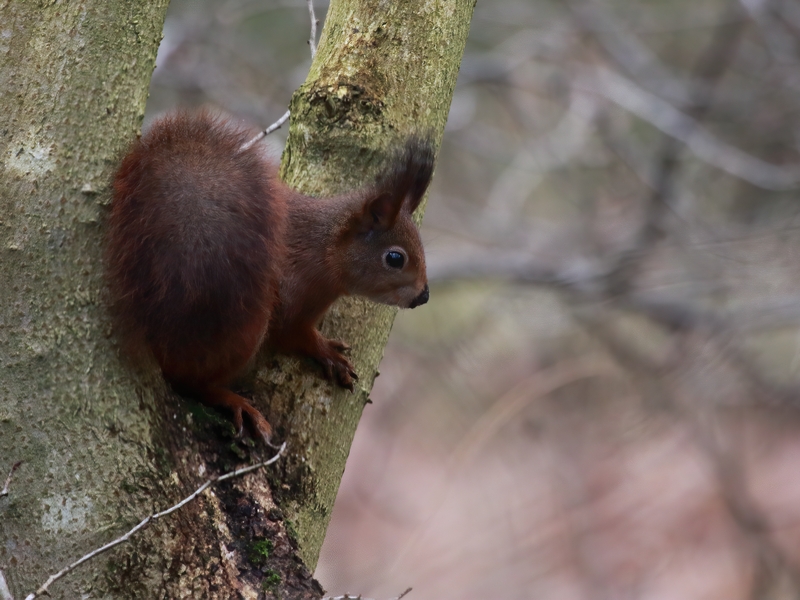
(629, 52)
(5, 593)
(124, 538)
(679, 125)
(312, 43)
(710, 67)
(262, 134)
(14, 467)
(360, 597)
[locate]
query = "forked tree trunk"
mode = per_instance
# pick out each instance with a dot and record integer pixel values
(103, 445)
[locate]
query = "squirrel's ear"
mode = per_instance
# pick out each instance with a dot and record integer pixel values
(419, 160)
(413, 201)
(380, 212)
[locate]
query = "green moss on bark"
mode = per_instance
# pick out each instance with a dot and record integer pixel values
(382, 71)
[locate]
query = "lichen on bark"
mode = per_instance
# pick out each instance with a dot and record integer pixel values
(73, 81)
(383, 71)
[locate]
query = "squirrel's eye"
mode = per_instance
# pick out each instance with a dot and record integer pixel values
(394, 259)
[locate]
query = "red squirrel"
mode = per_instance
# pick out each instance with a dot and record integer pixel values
(209, 255)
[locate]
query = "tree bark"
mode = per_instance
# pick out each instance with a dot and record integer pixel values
(104, 444)
(383, 71)
(73, 86)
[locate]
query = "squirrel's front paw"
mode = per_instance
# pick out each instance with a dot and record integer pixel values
(336, 365)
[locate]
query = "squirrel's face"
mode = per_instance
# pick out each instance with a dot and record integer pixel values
(386, 263)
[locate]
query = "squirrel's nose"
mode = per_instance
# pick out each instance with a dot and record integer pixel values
(421, 299)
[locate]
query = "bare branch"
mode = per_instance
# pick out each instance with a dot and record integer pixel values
(775, 35)
(14, 467)
(5, 593)
(553, 150)
(43, 590)
(520, 268)
(276, 125)
(665, 117)
(628, 51)
(585, 284)
(312, 42)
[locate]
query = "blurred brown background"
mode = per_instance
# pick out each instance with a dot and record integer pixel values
(601, 399)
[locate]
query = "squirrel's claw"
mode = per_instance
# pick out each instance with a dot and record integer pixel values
(238, 422)
(260, 424)
(239, 405)
(336, 366)
(346, 375)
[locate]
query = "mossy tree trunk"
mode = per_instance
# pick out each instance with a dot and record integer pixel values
(103, 446)
(73, 86)
(383, 71)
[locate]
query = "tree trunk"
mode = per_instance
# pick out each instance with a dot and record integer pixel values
(73, 86)
(383, 71)
(103, 445)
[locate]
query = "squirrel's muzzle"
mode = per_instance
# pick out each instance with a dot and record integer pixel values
(421, 299)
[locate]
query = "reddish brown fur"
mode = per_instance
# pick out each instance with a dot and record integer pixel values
(208, 253)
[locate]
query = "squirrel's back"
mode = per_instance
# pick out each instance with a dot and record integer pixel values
(195, 239)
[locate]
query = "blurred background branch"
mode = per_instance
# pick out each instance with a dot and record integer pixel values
(619, 189)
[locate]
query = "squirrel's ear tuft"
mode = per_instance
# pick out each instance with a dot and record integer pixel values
(401, 186)
(380, 211)
(419, 158)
